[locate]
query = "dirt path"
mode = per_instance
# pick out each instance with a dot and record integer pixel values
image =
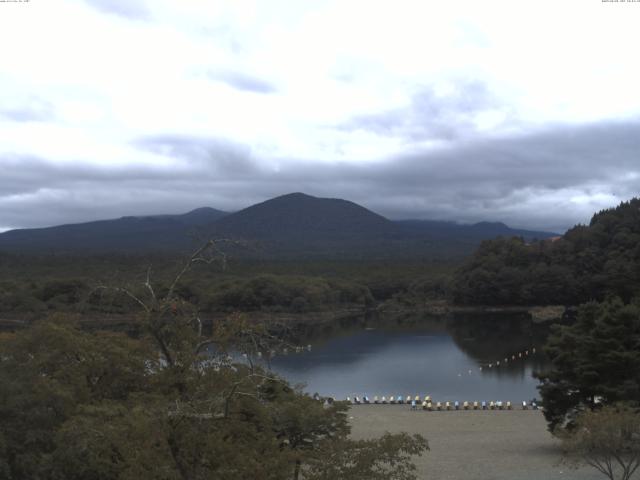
(470, 445)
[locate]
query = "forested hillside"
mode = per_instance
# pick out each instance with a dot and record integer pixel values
(588, 262)
(293, 226)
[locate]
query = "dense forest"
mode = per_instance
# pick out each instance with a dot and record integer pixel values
(164, 405)
(589, 262)
(35, 286)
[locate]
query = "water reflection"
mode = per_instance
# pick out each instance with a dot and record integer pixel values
(447, 358)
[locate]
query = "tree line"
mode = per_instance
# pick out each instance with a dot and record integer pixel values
(590, 262)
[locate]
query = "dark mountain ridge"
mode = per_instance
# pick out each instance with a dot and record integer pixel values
(471, 232)
(125, 234)
(290, 225)
(298, 215)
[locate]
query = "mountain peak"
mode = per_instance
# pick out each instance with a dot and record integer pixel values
(294, 195)
(301, 217)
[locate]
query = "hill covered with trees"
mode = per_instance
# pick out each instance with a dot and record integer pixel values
(589, 262)
(290, 226)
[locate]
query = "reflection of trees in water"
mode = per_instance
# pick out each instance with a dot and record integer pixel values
(491, 337)
(484, 337)
(319, 333)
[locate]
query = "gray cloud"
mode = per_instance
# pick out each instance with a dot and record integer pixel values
(132, 9)
(35, 110)
(242, 81)
(551, 180)
(430, 116)
(211, 155)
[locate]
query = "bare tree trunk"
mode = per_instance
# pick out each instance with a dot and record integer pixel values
(296, 471)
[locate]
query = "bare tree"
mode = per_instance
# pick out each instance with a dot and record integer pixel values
(607, 439)
(163, 312)
(177, 330)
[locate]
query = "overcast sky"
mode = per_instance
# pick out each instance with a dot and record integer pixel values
(526, 112)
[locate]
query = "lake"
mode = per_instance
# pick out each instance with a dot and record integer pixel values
(450, 359)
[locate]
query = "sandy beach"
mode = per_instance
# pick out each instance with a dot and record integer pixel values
(470, 445)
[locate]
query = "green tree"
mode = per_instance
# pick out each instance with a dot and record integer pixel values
(78, 405)
(597, 359)
(47, 373)
(586, 263)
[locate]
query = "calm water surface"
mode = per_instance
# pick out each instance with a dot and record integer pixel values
(447, 359)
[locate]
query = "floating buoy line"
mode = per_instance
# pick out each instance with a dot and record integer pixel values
(510, 358)
(503, 362)
(426, 403)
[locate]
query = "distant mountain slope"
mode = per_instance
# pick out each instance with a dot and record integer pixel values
(291, 225)
(297, 216)
(126, 234)
(473, 232)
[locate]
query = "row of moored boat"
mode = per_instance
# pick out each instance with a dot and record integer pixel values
(427, 404)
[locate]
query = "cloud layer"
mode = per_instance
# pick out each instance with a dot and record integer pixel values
(519, 180)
